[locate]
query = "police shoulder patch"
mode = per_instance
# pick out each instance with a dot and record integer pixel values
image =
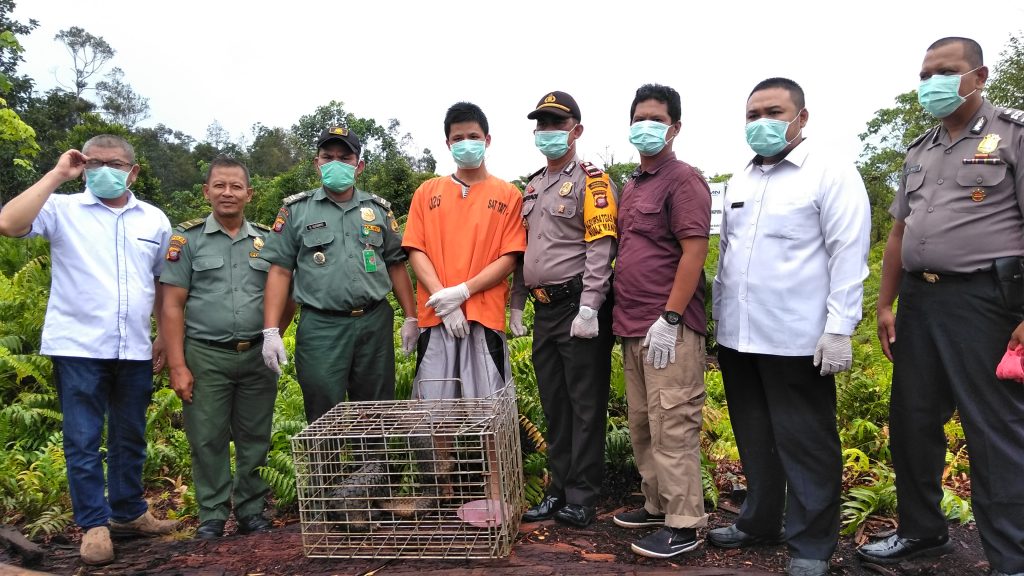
(381, 201)
(591, 170)
(263, 227)
(190, 224)
(1012, 115)
(295, 198)
(930, 132)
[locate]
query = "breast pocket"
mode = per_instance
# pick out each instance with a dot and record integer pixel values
(913, 182)
(319, 241)
(257, 277)
(978, 181)
(208, 274)
(648, 217)
(792, 220)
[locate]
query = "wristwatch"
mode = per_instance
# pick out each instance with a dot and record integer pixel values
(586, 312)
(671, 317)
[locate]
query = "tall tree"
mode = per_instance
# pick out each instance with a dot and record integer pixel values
(119, 102)
(1006, 87)
(16, 89)
(17, 139)
(88, 55)
(271, 151)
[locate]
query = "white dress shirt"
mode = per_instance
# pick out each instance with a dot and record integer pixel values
(792, 254)
(104, 261)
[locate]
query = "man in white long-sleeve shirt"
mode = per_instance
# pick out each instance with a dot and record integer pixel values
(787, 296)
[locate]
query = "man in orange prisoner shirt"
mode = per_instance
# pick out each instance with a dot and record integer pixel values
(463, 237)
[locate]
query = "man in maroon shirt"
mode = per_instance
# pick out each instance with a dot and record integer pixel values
(664, 222)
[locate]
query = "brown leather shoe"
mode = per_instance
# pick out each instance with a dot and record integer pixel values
(145, 525)
(96, 549)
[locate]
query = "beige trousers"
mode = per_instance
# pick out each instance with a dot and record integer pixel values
(665, 417)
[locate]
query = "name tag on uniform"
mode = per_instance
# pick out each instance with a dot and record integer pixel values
(736, 205)
(316, 225)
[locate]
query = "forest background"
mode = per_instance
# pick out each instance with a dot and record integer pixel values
(35, 128)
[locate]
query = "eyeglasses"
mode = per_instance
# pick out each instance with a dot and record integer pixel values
(115, 164)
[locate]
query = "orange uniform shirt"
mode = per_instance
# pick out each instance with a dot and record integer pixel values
(461, 236)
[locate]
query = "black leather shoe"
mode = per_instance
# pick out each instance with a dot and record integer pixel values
(545, 510)
(210, 530)
(896, 549)
(576, 514)
(253, 524)
(732, 537)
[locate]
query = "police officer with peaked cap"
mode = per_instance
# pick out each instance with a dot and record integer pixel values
(569, 210)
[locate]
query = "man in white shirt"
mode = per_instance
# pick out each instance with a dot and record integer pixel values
(107, 250)
(787, 296)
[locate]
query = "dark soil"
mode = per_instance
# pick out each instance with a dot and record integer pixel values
(541, 549)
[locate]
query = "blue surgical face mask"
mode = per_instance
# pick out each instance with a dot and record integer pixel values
(337, 176)
(552, 143)
(940, 95)
(767, 136)
(469, 153)
(106, 182)
(648, 136)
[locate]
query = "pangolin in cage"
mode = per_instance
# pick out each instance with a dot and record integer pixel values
(364, 496)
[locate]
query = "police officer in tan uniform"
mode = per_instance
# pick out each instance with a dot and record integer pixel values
(569, 210)
(954, 258)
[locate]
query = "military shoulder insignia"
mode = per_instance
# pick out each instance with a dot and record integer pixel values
(190, 224)
(1013, 115)
(177, 243)
(591, 170)
(381, 201)
(930, 132)
(394, 221)
(263, 227)
(295, 198)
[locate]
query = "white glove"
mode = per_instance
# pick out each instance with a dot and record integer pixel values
(274, 355)
(410, 332)
(455, 324)
(584, 325)
(661, 343)
(834, 353)
(515, 323)
(447, 299)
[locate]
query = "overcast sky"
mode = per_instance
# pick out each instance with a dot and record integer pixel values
(245, 62)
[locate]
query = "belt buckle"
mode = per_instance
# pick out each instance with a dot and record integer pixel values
(929, 277)
(541, 295)
(243, 346)
(357, 313)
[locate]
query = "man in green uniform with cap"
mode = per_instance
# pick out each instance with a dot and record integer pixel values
(342, 248)
(212, 314)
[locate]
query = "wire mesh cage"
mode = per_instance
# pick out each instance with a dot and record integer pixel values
(411, 479)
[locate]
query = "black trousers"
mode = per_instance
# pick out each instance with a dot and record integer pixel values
(949, 338)
(573, 378)
(783, 412)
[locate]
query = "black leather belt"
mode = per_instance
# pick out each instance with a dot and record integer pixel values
(235, 345)
(344, 313)
(936, 277)
(557, 292)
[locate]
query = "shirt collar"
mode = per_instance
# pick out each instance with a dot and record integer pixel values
(357, 197)
(982, 118)
(212, 226)
(568, 168)
(796, 156)
(90, 198)
(668, 157)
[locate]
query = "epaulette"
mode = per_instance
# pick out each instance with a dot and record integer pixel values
(535, 174)
(591, 170)
(295, 198)
(1013, 115)
(263, 227)
(922, 137)
(190, 224)
(381, 201)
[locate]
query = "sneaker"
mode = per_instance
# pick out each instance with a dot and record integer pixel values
(145, 525)
(667, 542)
(807, 567)
(638, 518)
(96, 547)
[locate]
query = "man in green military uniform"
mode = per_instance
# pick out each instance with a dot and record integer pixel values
(342, 249)
(212, 315)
